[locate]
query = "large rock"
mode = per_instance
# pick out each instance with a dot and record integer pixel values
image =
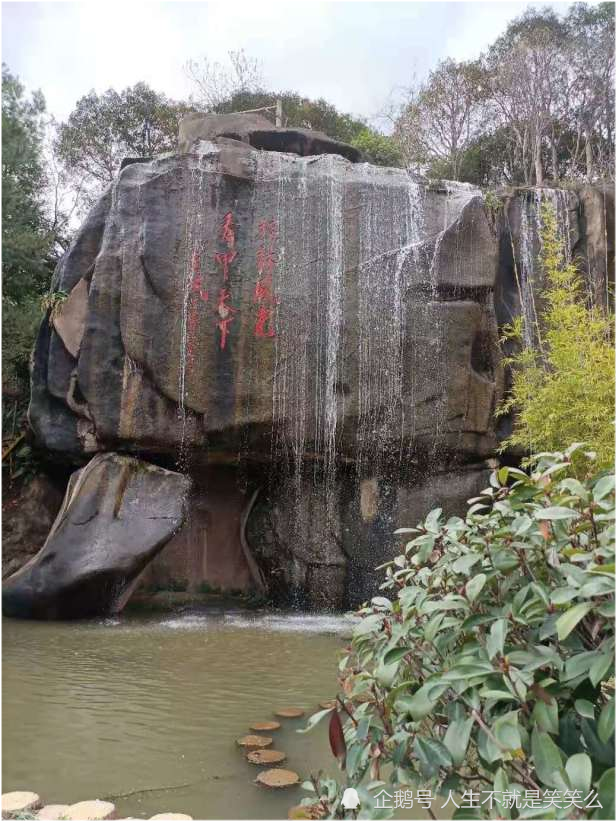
(310, 306)
(26, 520)
(118, 512)
(265, 310)
(257, 131)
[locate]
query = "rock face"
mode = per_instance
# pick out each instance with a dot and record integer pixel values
(326, 330)
(26, 521)
(118, 512)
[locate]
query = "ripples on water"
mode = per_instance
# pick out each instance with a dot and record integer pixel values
(149, 709)
(122, 705)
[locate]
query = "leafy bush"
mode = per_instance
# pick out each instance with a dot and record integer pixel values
(379, 149)
(563, 387)
(489, 665)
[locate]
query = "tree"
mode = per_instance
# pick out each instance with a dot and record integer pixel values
(379, 149)
(526, 70)
(103, 129)
(590, 97)
(563, 389)
(27, 237)
(441, 117)
(215, 84)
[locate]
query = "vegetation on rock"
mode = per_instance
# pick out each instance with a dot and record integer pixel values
(562, 386)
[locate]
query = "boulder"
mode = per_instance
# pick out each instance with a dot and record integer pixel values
(118, 512)
(266, 311)
(313, 308)
(53, 812)
(258, 131)
(95, 810)
(26, 520)
(16, 804)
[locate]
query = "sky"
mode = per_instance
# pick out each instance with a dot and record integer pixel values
(354, 54)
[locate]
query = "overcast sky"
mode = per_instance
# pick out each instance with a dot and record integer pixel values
(353, 54)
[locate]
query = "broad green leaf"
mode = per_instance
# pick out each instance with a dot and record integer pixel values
(566, 623)
(507, 732)
(456, 739)
(605, 725)
(584, 708)
(395, 654)
(314, 720)
(495, 642)
(475, 586)
(464, 563)
(547, 758)
(546, 716)
(432, 755)
(601, 666)
(603, 487)
(606, 788)
(555, 513)
(579, 770)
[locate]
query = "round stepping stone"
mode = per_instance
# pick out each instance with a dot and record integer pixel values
(265, 726)
(265, 757)
(16, 803)
(90, 811)
(53, 812)
(309, 811)
(254, 742)
(289, 712)
(328, 705)
(171, 816)
(276, 779)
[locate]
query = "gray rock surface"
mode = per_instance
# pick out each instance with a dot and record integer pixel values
(26, 520)
(325, 330)
(118, 512)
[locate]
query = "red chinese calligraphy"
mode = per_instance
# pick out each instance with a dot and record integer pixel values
(264, 295)
(264, 324)
(228, 230)
(225, 314)
(225, 259)
(267, 229)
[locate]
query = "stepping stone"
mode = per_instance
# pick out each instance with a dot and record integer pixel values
(265, 726)
(53, 812)
(16, 803)
(289, 712)
(254, 742)
(328, 705)
(309, 811)
(265, 757)
(91, 811)
(276, 778)
(171, 816)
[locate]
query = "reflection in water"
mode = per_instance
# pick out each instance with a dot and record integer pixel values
(95, 710)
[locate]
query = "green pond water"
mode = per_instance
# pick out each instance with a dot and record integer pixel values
(145, 710)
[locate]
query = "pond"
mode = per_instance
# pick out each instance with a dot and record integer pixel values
(145, 710)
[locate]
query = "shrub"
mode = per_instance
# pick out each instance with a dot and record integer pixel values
(488, 666)
(563, 387)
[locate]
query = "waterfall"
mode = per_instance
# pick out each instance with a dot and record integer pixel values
(530, 249)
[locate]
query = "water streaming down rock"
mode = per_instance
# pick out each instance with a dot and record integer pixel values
(529, 275)
(321, 329)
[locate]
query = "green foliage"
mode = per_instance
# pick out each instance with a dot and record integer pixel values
(379, 149)
(27, 240)
(298, 111)
(562, 388)
(488, 662)
(105, 128)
